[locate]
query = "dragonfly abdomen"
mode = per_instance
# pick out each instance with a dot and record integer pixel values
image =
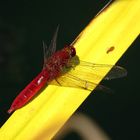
(29, 91)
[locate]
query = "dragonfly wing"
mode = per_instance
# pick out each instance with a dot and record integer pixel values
(91, 71)
(69, 80)
(116, 72)
(48, 51)
(85, 75)
(52, 47)
(45, 53)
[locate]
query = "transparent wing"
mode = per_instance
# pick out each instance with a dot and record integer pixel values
(48, 51)
(92, 71)
(85, 75)
(69, 80)
(45, 53)
(52, 47)
(99, 69)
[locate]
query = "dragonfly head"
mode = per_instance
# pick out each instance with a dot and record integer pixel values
(71, 50)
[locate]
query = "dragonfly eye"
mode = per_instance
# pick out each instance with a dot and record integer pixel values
(73, 51)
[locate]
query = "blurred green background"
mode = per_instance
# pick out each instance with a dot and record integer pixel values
(23, 26)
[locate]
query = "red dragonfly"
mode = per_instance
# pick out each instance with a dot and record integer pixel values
(64, 68)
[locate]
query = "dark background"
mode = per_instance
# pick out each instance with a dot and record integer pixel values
(23, 26)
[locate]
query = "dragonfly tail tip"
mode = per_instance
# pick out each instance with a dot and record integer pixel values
(10, 110)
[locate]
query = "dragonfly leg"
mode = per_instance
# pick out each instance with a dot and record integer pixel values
(58, 82)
